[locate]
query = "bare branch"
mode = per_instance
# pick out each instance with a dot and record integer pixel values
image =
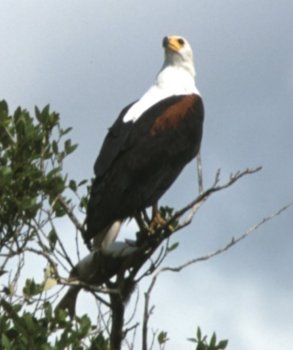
(129, 329)
(232, 243)
(70, 214)
(215, 188)
(147, 312)
(65, 255)
(199, 173)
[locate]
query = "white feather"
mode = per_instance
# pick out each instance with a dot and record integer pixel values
(177, 77)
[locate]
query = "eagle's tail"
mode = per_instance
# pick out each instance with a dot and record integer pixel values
(68, 302)
(105, 237)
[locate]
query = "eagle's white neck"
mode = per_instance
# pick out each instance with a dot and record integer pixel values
(176, 79)
(172, 80)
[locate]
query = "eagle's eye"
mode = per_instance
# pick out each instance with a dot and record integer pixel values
(181, 41)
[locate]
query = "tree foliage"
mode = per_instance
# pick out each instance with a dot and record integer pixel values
(36, 195)
(32, 152)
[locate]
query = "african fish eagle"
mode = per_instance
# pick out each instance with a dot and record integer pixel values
(147, 147)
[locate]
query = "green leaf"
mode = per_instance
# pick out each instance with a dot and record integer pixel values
(65, 131)
(5, 342)
(213, 341)
(173, 246)
(69, 147)
(85, 324)
(55, 186)
(223, 344)
(162, 337)
(60, 315)
(3, 107)
(29, 322)
(11, 289)
(48, 310)
(198, 334)
(201, 346)
(59, 209)
(99, 343)
(192, 340)
(31, 288)
(72, 185)
(52, 173)
(55, 147)
(82, 183)
(46, 109)
(38, 114)
(52, 237)
(5, 175)
(83, 202)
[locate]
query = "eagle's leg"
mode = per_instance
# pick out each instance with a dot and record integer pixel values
(157, 219)
(142, 221)
(155, 209)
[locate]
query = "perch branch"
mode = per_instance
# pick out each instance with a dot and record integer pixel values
(215, 188)
(232, 243)
(199, 173)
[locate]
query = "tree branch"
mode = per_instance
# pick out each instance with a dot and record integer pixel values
(199, 173)
(229, 245)
(195, 204)
(147, 312)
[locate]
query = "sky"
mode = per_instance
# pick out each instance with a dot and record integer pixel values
(88, 59)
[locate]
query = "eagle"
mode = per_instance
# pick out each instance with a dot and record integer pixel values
(147, 147)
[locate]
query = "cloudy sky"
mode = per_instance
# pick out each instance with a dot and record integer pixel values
(88, 59)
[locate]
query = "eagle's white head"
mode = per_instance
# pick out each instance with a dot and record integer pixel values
(176, 77)
(177, 72)
(178, 52)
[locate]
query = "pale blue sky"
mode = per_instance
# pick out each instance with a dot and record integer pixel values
(88, 59)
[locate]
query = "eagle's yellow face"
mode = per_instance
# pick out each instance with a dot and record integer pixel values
(177, 51)
(173, 43)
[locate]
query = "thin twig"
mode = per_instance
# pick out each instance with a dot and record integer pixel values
(65, 255)
(203, 196)
(129, 329)
(232, 243)
(199, 173)
(147, 312)
(70, 214)
(87, 286)
(77, 245)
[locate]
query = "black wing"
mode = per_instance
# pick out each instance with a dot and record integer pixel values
(113, 144)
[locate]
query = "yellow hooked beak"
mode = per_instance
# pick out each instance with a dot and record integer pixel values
(173, 43)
